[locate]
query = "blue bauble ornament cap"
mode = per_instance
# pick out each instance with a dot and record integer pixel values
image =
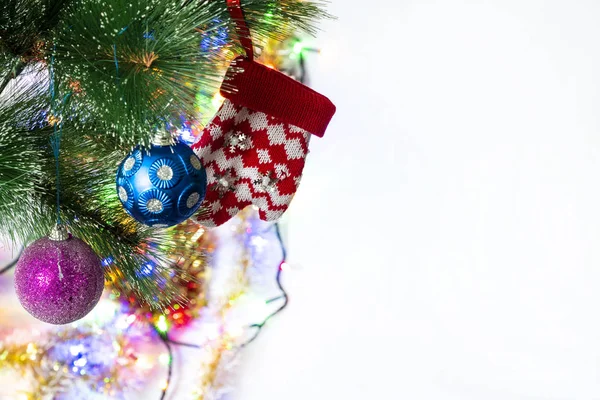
(163, 185)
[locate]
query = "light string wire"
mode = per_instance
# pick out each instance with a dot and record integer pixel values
(258, 326)
(164, 336)
(284, 295)
(12, 264)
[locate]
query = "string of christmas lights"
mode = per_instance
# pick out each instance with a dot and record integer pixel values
(12, 264)
(222, 346)
(284, 294)
(220, 315)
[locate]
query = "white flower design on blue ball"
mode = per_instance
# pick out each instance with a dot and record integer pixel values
(132, 163)
(166, 172)
(163, 185)
(154, 202)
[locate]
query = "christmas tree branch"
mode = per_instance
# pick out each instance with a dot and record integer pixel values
(13, 74)
(129, 66)
(90, 205)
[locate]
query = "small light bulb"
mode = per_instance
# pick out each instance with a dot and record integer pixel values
(164, 359)
(162, 325)
(298, 47)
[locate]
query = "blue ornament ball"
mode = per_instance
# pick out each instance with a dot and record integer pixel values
(161, 186)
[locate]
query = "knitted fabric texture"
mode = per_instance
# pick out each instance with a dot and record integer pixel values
(250, 158)
(254, 150)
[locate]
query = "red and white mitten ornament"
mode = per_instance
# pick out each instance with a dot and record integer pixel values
(255, 148)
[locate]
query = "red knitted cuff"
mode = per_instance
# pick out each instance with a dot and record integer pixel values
(263, 89)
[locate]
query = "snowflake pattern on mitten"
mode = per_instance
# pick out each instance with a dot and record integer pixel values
(250, 158)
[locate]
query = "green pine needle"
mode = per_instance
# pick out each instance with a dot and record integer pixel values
(126, 67)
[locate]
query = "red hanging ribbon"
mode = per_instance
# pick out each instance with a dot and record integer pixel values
(243, 32)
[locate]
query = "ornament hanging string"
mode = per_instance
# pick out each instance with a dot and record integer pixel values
(117, 78)
(56, 138)
(243, 32)
(116, 62)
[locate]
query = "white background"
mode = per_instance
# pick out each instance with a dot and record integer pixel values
(446, 236)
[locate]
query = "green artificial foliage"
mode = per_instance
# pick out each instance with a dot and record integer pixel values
(136, 63)
(104, 74)
(25, 26)
(89, 202)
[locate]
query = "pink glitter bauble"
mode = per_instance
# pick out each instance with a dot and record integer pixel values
(59, 281)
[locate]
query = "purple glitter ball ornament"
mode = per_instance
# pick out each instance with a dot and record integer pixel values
(59, 278)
